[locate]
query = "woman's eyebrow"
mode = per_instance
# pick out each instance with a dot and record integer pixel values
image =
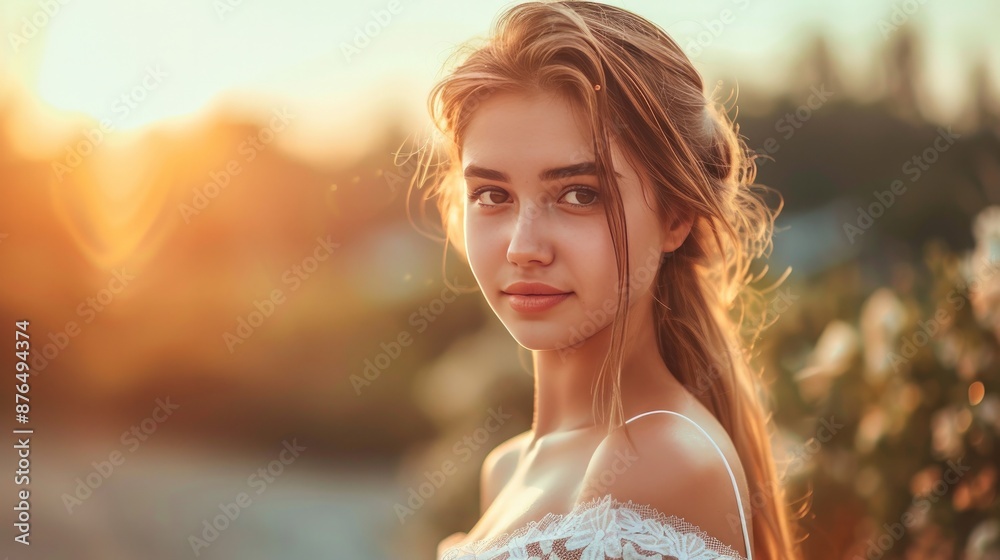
(575, 170)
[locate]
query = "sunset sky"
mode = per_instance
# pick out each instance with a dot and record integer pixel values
(180, 57)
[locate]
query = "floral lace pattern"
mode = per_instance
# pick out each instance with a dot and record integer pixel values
(600, 529)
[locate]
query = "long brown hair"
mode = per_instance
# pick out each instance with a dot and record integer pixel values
(634, 85)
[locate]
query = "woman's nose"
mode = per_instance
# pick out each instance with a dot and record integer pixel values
(528, 242)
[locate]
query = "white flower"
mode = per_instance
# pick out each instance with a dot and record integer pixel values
(518, 546)
(693, 548)
(598, 533)
(547, 554)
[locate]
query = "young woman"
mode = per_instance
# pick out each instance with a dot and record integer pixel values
(605, 207)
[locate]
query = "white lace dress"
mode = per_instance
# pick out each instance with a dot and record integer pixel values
(602, 529)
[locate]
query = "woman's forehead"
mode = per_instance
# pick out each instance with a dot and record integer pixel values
(499, 161)
(527, 123)
(526, 134)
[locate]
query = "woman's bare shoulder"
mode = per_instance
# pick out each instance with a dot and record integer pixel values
(674, 468)
(499, 466)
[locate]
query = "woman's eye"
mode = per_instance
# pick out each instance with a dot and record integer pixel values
(583, 196)
(485, 197)
(579, 197)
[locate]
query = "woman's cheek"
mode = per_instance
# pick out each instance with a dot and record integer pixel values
(484, 251)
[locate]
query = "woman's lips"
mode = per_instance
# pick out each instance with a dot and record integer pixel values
(535, 302)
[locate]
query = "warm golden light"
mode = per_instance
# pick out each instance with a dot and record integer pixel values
(976, 393)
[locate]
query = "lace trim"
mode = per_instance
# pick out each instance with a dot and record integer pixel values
(598, 529)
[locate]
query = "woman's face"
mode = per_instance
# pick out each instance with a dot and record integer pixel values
(536, 215)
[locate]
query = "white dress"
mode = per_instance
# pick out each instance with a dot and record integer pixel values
(604, 528)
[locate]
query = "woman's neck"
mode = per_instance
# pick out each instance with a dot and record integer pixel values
(566, 377)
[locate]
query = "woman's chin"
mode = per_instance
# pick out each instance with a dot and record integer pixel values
(540, 337)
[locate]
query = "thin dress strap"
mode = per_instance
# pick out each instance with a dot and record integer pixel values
(732, 477)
